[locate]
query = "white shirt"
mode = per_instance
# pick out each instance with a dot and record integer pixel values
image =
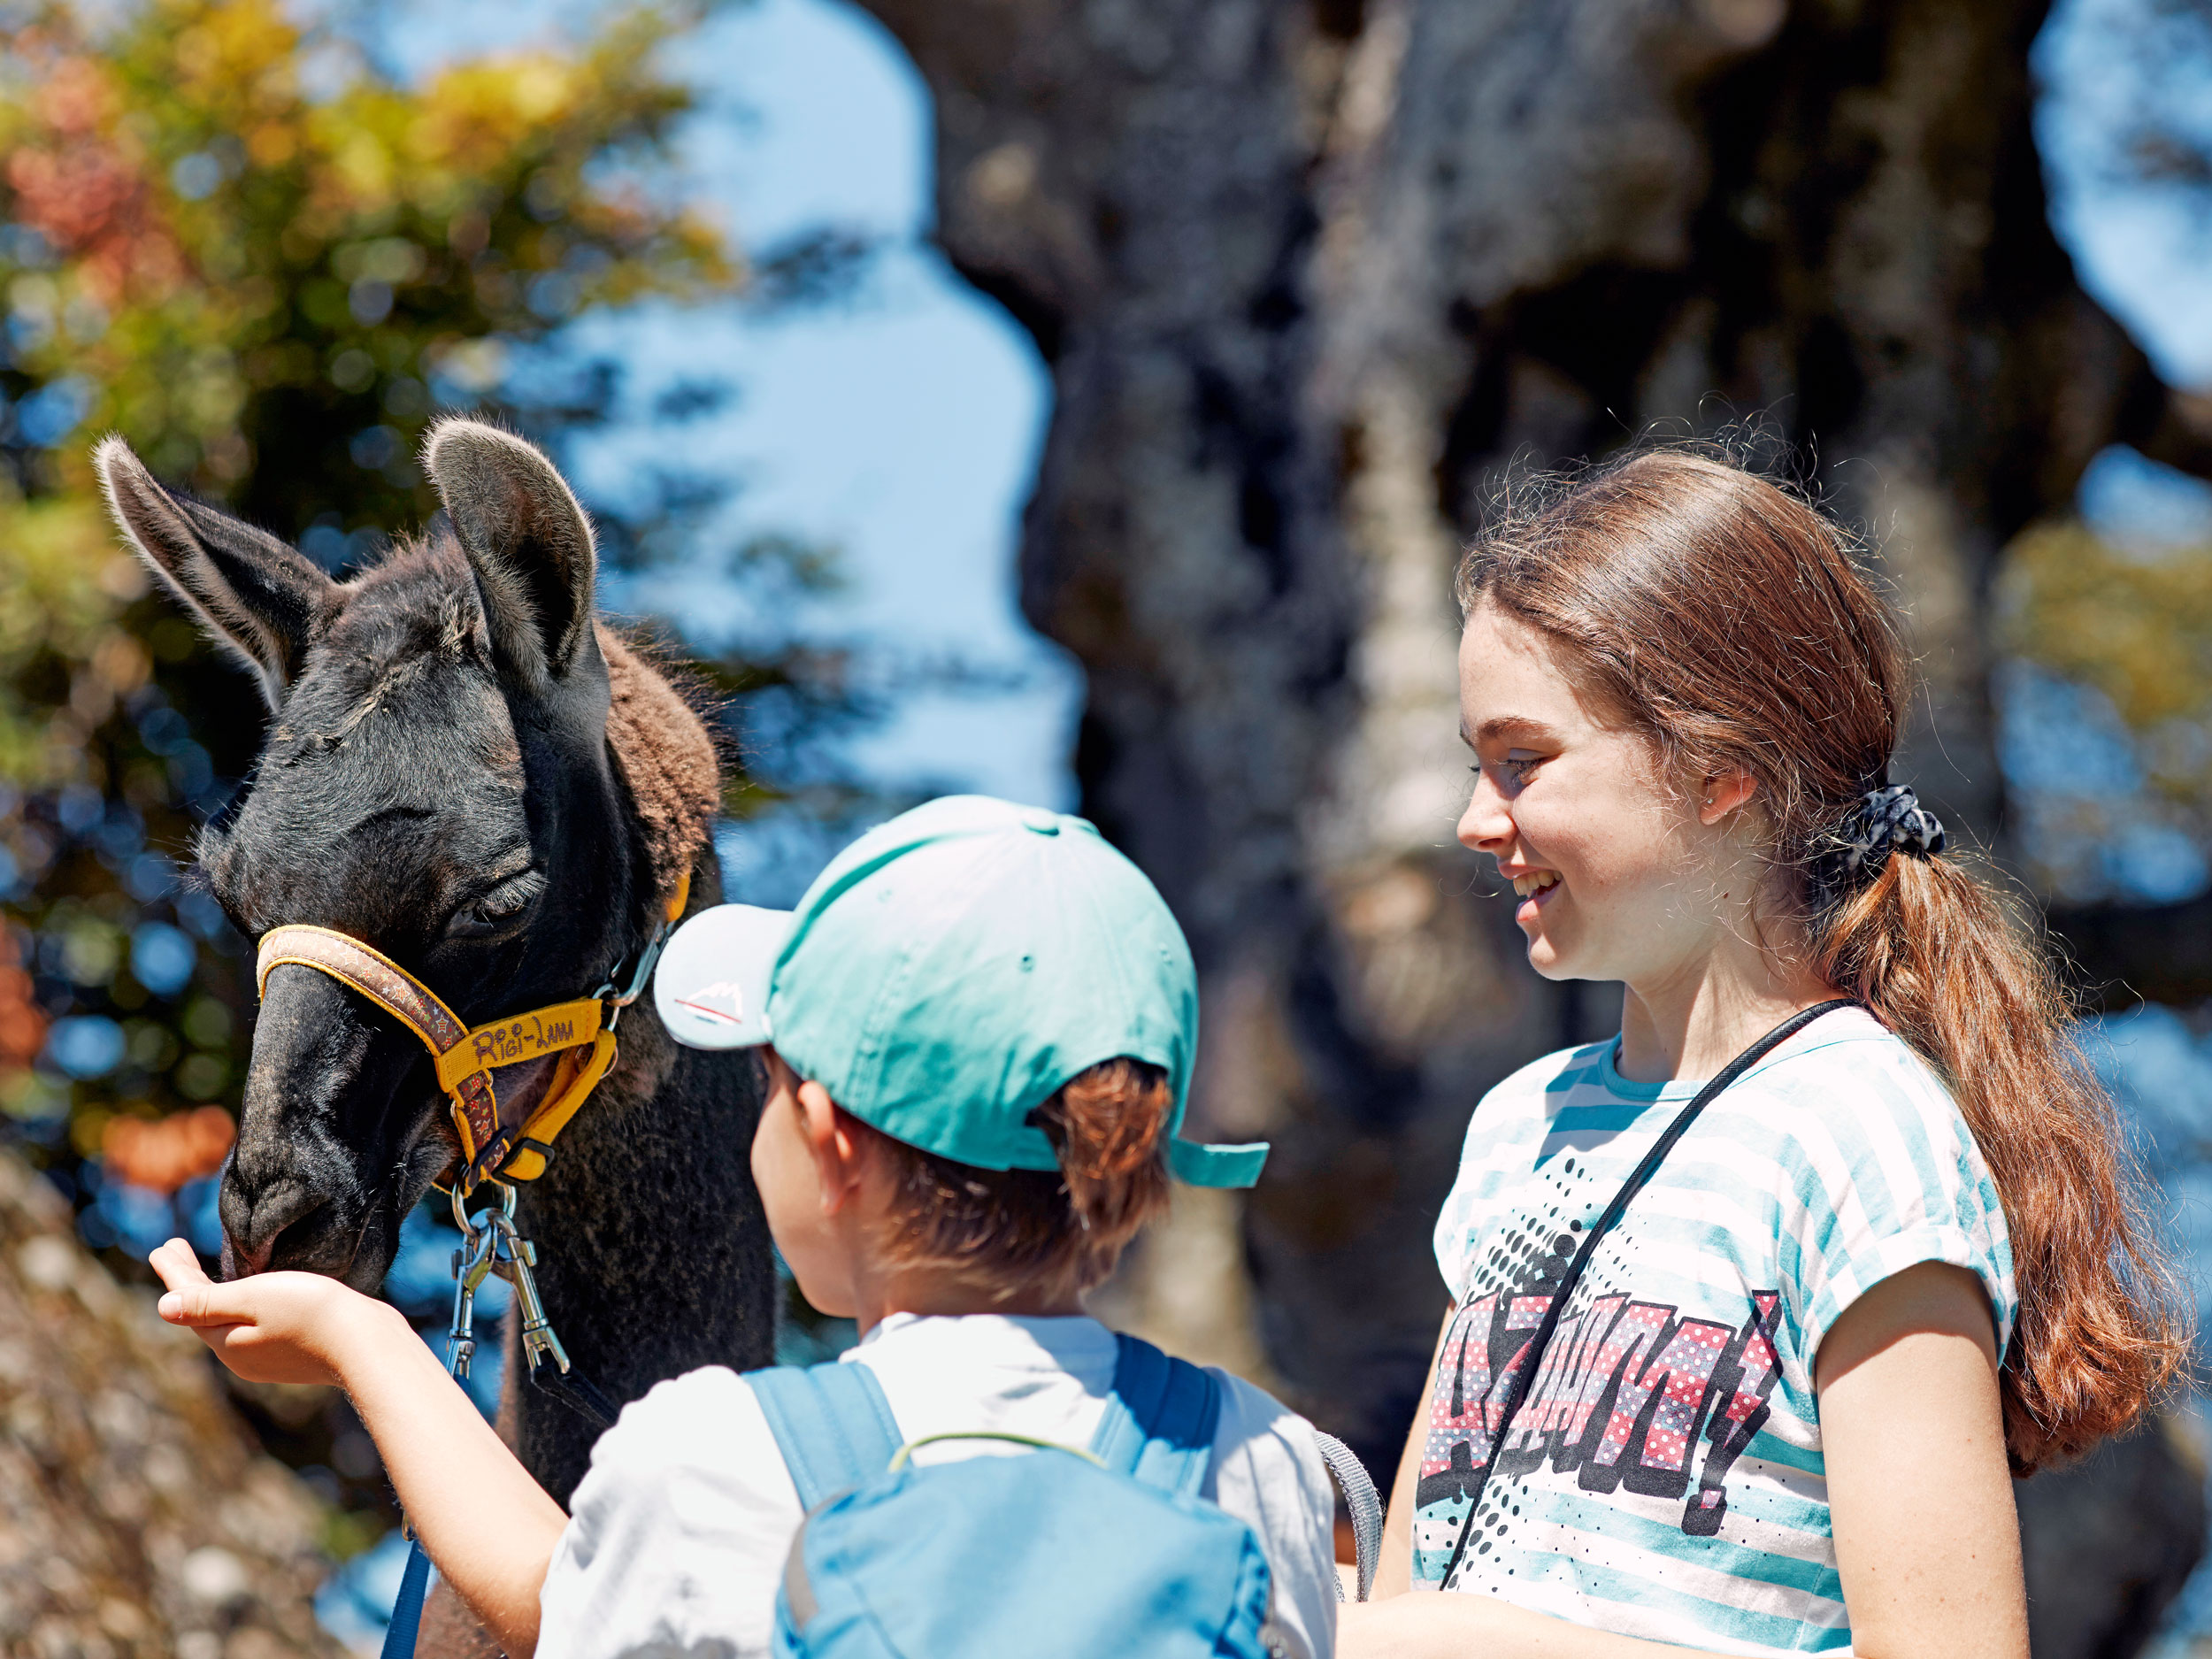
(680, 1531)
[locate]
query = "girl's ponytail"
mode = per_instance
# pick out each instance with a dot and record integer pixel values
(1930, 951)
(1726, 620)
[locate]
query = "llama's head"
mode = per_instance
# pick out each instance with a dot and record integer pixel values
(436, 781)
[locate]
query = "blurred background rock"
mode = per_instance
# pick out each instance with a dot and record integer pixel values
(138, 1516)
(1193, 333)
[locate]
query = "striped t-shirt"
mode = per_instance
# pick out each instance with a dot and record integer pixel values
(1664, 1478)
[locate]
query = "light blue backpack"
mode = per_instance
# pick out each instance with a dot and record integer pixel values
(1097, 1555)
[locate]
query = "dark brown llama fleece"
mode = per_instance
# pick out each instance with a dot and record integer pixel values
(667, 759)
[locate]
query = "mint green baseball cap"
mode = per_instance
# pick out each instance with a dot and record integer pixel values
(947, 973)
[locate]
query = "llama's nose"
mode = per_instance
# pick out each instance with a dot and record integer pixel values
(254, 1218)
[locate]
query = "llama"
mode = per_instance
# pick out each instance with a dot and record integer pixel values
(469, 772)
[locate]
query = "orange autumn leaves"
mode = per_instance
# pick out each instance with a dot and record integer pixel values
(165, 1153)
(85, 190)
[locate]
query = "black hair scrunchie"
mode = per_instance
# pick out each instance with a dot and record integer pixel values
(1878, 823)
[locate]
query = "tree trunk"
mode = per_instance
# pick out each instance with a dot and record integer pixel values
(2120, 955)
(1308, 277)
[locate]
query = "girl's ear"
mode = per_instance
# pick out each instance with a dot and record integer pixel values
(1724, 792)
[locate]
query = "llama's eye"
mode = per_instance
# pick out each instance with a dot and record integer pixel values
(497, 910)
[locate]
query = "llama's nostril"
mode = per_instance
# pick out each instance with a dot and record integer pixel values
(241, 1261)
(255, 1227)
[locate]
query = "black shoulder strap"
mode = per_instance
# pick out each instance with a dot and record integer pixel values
(1524, 1378)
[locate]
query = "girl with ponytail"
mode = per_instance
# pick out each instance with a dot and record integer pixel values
(1755, 1307)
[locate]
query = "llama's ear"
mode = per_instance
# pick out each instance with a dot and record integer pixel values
(251, 593)
(527, 539)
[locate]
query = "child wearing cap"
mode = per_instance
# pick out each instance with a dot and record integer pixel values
(977, 1033)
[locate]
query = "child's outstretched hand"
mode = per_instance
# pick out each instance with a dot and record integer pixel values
(273, 1328)
(452, 1471)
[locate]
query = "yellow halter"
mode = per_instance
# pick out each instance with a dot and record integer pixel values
(582, 1033)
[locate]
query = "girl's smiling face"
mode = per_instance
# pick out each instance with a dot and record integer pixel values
(1616, 871)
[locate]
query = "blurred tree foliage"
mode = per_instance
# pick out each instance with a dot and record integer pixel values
(2123, 774)
(2135, 625)
(226, 238)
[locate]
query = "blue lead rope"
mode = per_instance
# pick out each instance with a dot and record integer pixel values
(414, 1583)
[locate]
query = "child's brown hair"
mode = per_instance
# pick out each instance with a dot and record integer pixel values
(1059, 1232)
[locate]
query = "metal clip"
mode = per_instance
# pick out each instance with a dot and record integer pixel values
(617, 999)
(471, 1262)
(498, 1247)
(477, 1255)
(515, 1262)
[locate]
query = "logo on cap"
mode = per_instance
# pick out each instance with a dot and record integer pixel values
(724, 1000)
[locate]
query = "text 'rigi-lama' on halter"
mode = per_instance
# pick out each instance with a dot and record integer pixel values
(580, 1033)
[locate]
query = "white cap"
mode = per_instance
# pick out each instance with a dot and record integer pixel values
(712, 987)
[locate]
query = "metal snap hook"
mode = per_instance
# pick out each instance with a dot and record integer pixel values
(469, 1230)
(471, 1263)
(516, 1258)
(478, 1257)
(497, 1247)
(618, 998)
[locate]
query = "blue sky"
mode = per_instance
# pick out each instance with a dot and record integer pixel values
(2104, 65)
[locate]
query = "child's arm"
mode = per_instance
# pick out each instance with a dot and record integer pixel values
(488, 1525)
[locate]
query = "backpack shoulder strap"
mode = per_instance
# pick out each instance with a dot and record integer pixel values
(1160, 1420)
(831, 1423)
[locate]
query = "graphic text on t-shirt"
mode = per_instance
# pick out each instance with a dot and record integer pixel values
(1627, 1390)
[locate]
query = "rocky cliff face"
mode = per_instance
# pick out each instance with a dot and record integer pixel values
(136, 1515)
(1309, 275)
